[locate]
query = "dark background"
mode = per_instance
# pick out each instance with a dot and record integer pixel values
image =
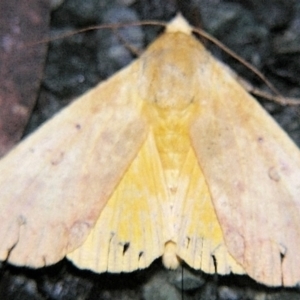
(265, 33)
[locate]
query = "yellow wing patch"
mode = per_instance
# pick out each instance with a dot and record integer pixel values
(200, 240)
(126, 236)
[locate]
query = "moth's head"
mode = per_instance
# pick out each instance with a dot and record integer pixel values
(168, 73)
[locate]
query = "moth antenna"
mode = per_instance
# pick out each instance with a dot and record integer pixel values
(280, 99)
(112, 26)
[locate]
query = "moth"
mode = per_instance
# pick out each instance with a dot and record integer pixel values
(169, 157)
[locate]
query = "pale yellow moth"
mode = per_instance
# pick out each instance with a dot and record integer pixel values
(170, 157)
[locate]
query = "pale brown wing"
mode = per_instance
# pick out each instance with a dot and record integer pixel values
(54, 185)
(252, 170)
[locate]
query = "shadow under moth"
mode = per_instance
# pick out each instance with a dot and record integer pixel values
(169, 157)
